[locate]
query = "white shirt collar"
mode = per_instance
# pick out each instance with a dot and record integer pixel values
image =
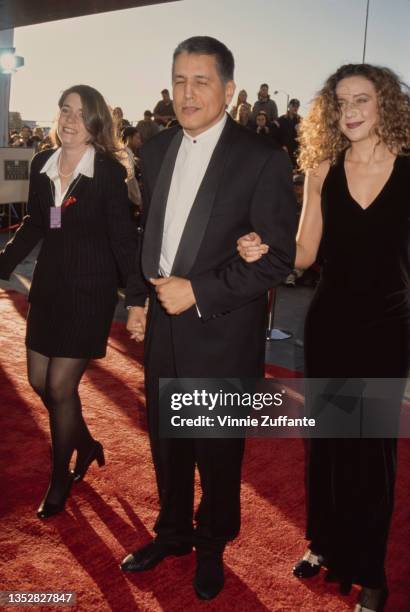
(85, 166)
(210, 135)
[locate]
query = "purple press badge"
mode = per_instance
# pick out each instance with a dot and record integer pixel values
(55, 217)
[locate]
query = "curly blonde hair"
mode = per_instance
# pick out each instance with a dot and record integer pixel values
(320, 137)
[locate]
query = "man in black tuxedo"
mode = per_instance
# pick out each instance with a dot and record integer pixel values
(204, 186)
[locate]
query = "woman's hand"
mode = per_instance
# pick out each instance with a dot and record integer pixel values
(136, 323)
(251, 248)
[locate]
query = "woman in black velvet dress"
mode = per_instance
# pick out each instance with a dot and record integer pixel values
(354, 146)
(78, 206)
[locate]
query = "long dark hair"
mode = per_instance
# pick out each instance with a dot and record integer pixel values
(97, 119)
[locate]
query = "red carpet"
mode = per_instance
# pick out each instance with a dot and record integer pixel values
(113, 511)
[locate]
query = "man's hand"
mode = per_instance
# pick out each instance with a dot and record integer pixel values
(251, 248)
(174, 293)
(136, 322)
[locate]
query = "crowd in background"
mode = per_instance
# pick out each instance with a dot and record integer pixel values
(261, 117)
(37, 138)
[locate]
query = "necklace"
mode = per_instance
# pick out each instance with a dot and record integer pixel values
(59, 169)
(69, 190)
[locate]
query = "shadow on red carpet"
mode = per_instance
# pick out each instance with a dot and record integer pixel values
(112, 512)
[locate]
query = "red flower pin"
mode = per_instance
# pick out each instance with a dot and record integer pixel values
(68, 202)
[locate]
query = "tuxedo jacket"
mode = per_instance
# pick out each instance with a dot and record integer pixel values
(247, 187)
(92, 253)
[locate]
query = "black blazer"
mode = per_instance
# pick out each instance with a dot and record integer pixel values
(95, 247)
(247, 186)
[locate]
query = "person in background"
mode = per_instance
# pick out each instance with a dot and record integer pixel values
(46, 143)
(147, 128)
(242, 99)
(355, 144)
(289, 124)
(39, 132)
(37, 138)
(13, 138)
(119, 122)
(266, 130)
(25, 139)
(262, 124)
(264, 103)
(78, 207)
(131, 139)
(244, 115)
(288, 134)
(164, 110)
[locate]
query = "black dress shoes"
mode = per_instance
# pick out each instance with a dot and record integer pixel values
(48, 509)
(308, 566)
(149, 556)
(96, 454)
(209, 576)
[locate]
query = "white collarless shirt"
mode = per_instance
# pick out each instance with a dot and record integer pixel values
(193, 158)
(85, 167)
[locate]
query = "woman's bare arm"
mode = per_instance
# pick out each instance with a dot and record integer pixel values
(311, 223)
(251, 248)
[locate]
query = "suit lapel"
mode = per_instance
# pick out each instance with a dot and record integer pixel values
(46, 188)
(200, 212)
(154, 228)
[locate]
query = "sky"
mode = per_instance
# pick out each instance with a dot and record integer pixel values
(291, 44)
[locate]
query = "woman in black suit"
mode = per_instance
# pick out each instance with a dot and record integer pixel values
(78, 207)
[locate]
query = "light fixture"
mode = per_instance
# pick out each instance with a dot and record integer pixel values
(275, 93)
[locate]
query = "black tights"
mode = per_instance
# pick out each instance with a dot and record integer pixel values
(56, 381)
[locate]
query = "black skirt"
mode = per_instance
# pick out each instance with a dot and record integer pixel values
(62, 329)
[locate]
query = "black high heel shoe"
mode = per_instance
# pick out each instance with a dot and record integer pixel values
(47, 509)
(308, 566)
(95, 454)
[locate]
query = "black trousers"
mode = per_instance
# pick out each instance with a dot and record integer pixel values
(218, 460)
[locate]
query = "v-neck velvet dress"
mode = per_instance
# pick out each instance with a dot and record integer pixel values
(358, 326)
(80, 264)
